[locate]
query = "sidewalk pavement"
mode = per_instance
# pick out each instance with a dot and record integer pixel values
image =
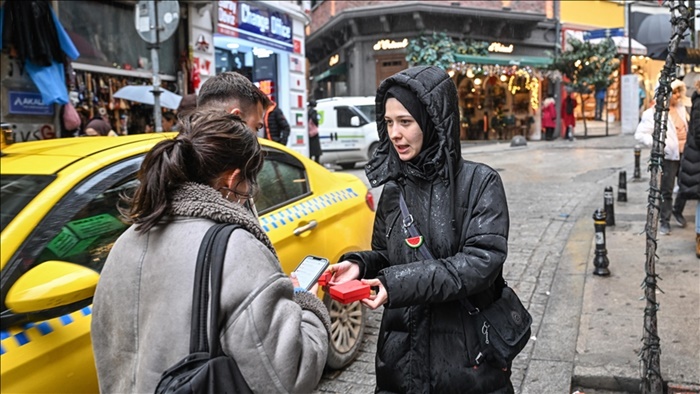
(612, 309)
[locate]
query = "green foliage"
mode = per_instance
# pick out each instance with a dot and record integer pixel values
(438, 49)
(589, 67)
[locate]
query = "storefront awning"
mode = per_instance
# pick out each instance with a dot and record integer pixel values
(341, 68)
(503, 60)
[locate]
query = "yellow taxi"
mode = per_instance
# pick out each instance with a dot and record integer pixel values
(59, 219)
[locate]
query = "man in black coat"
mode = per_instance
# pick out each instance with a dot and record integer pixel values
(276, 125)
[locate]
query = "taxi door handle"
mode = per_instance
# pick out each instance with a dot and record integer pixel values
(301, 230)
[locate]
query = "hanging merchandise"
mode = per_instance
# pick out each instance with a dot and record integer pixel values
(34, 34)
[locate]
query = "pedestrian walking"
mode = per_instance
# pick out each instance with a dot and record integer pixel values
(276, 125)
(427, 341)
(314, 139)
(567, 116)
(599, 103)
(235, 94)
(549, 118)
(277, 334)
(677, 124)
(689, 176)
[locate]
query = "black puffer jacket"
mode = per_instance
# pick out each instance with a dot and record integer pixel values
(276, 125)
(427, 342)
(689, 176)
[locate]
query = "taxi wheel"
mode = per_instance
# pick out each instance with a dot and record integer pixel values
(347, 331)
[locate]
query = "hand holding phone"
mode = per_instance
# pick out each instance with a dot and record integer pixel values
(309, 270)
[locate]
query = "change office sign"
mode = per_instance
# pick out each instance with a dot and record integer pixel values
(28, 103)
(256, 23)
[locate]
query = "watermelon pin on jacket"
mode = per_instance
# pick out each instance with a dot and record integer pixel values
(415, 242)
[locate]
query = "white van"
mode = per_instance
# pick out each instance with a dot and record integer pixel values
(347, 129)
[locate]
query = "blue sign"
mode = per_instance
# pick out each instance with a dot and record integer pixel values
(29, 103)
(603, 33)
(265, 26)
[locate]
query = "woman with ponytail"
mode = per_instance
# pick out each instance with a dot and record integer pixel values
(143, 302)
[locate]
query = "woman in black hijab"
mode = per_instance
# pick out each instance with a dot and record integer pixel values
(428, 341)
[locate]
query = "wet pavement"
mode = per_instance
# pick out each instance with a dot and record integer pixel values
(587, 330)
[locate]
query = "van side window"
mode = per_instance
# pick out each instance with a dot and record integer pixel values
(344, 114)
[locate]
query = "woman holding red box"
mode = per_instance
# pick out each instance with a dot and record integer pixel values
(427, 340)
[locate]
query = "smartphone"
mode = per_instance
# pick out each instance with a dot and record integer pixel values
(309, 270)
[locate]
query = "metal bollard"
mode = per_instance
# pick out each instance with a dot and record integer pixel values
(600, 261)
(637, 153)
(622, 187)
(609, 206)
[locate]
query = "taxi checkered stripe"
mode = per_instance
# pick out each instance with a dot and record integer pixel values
(297, 211)
(23, 336)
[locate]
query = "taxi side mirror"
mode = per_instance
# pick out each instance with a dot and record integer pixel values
(51, 284)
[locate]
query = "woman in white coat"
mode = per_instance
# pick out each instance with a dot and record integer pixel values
(677, 125)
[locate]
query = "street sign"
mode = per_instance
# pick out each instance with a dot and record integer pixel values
(604, 33)
(167, 22)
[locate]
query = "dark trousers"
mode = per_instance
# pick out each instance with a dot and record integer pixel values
(668, 181)
(548, 133)
(679, 202)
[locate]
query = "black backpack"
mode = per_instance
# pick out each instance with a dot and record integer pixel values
(206, 369)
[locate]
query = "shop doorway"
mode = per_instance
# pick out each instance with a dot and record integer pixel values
(388, 65)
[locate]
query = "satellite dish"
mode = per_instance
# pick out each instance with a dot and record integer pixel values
(167, 21)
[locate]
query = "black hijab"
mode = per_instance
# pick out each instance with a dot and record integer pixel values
(423, 165)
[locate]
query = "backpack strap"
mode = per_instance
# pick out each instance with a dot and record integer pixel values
(209, 259)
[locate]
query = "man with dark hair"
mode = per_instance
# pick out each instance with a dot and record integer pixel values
(236, 94)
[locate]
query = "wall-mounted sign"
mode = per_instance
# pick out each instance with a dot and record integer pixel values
(334, 60)
(22, 132)
(255, 23)
(28, 103)
(382, 45)
(500, 48)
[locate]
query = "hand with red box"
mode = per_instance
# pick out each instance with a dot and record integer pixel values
(349, 292)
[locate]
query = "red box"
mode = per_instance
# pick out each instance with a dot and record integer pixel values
(349, 292)
(325, 278)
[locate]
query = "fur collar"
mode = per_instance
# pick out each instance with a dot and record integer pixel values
(202, 201)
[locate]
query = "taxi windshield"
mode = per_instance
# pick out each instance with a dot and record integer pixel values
(16, 191)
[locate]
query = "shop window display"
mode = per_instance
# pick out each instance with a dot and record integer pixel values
(496, 102)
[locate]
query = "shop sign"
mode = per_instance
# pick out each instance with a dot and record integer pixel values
(23, 132)
(297, 46)
(227, 18)
(28, 103)
(255, 23)
(500, 48)
(382, 45)
(334, 60)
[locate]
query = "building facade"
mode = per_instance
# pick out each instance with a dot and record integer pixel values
(264, 40)
(353, 45)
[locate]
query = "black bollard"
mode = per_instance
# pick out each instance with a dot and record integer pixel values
(637, 153)
(600, 261)
(622, 187)
(609, 206)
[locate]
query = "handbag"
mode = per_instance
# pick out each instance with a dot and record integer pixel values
(71, 119)
(503, 327)
(313, 129)
(206, 369)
